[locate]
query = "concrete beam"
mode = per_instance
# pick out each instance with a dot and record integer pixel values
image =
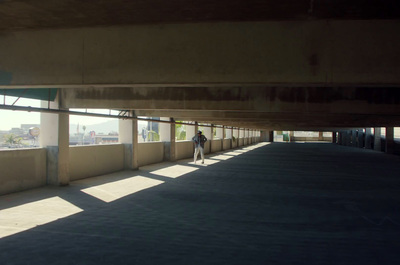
(284, 52)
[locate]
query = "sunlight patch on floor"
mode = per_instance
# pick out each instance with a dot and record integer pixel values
(221, 157)
(115, 190)
(232, 153)
(174, 171)
(24, 217)
(241, 151)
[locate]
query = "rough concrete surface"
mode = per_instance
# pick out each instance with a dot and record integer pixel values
(280, 203)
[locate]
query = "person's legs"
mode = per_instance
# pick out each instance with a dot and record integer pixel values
(196, 153)
(202, 154)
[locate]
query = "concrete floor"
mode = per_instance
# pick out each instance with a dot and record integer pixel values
(264, 204)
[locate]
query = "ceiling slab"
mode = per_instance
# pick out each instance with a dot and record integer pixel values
(45, 14)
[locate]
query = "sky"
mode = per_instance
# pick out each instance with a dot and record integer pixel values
(13, 119)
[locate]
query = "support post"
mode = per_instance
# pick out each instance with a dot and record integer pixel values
(368, 135)
(360, 138)
(55, 138)
(389, 140)
(167, 136)
(348, 138)
(377, 139)
(320, 136)
(172, 140)
(128, 136)
(354, 138)
(291, 136)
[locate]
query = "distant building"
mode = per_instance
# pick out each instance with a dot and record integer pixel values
(106, 139)
(17, 131)
(26, 127)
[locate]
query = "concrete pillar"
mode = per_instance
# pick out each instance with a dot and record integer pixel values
(167, 136)
(334, 140)
(348, 138)
(172, 152)
(377, 139)
(266, 136)
(223, 136)
(54, 136)
(128, 136)
(343, 137)
(231, 131)
(291, 136)
(360, 138)
(320, 136)
(196, 128)
(368, 135)
(354, 138)
(389, 140)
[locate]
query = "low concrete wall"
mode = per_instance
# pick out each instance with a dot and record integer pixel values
(184, 149)
(22, 169)
(95, 160)
(150, 153)
(235, 143)
(241, 142)
(311, 139)
(226, 144)
(207, 147)
(216, 145)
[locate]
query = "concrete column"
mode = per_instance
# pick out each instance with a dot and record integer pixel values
(172, 153)
(128, 136)
(167, 136)
(54, 137)
(264, 137)
(389, 140)
(368, 142)
(340, 138)
(208, 134)
(291, 136)
(267, 136)
(196, 128)
(231, 137)
(360, 138)
(223, 137)
(354, 138)
(377, 139)
(334, 140)
(348, 138)
(320, 136)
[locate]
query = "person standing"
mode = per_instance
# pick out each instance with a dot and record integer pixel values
(199, 141)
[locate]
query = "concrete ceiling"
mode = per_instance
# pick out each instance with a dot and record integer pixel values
(258, 113)
(45, 14)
